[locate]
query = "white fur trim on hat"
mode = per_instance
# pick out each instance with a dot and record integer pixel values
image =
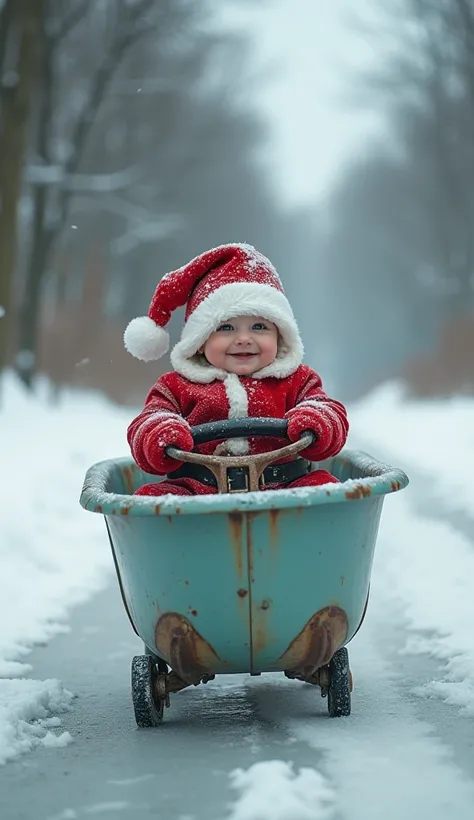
(146, 340)
(238, 299)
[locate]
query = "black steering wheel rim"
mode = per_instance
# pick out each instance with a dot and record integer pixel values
(239, 428)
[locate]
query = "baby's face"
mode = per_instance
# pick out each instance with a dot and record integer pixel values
(242, 345)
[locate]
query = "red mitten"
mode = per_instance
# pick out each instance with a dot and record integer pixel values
(155, 434)
(329, 423)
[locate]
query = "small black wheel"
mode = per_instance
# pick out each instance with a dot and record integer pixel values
(148, 709)
(339, 689)
(161, 664)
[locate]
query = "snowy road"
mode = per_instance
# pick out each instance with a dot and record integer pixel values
(240, 748)
(399, 754)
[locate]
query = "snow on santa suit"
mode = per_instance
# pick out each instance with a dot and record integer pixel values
(228, 281)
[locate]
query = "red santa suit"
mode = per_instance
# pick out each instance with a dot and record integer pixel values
(229, 281)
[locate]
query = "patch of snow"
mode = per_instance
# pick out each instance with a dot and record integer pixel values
(53, 554)
(26, 710)
(272, 790)
(52, 741)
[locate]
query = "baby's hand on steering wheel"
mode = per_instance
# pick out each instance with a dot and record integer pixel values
(172, 430)
(323, 422)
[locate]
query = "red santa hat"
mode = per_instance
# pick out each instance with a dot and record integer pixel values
(227, 281)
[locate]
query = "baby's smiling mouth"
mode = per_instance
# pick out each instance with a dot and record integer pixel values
(243, 355)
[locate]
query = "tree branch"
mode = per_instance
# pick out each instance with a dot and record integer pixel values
(127, 35)
(71, 20)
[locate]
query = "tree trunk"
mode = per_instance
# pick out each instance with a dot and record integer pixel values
(42, 238)
(30, 314)
(15, 107)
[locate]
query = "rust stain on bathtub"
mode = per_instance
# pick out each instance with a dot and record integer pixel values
(274, 520)
(314, 646)
(359, 491)
(127, 473)
(188, 653)
(236, 525)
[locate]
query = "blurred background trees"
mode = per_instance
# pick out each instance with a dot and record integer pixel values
(139, 153)
(129, 143)
(399, 253)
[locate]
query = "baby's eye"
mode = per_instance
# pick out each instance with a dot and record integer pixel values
(226, 327)
(259, 326)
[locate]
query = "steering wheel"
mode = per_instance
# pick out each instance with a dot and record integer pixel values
(238, 428)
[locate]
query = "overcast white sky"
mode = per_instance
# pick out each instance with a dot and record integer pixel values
(316, 56)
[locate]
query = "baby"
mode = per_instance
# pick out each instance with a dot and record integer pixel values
(240, 355)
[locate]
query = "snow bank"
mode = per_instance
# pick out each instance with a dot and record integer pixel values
(436, 437)
(427, 565)
(53, 554)
(272, 790)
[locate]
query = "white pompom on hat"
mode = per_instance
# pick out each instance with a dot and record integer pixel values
(224, 282)
(146, 340)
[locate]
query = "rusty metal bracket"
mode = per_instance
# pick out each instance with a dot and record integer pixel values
(161, 690)
(164, 685)
(320, 677)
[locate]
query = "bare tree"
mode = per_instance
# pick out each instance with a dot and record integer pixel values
(431, 72)
(129, 23)
(140, 154)
(20, 23)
